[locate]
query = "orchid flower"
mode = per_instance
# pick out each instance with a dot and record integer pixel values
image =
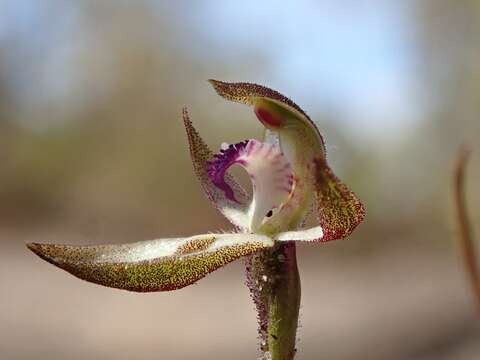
(290, 180)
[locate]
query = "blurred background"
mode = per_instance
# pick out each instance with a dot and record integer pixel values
(92, 150)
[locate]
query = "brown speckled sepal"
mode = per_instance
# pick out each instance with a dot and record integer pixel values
(155, 265)
(339, 210)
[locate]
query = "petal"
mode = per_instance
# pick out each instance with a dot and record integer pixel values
(234, 210)
(251, 94)
(269, 170)
(155, 265)
(339, 210)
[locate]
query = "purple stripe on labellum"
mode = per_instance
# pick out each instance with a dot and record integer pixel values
(222, 161)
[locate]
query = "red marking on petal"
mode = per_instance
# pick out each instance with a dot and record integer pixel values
(267, 118)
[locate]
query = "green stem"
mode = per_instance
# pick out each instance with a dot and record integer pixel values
(274, 282)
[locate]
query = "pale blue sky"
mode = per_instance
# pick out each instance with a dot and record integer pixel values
(353, 59)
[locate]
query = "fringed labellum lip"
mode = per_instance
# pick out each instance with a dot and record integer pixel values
(269, 171)
(233, 205)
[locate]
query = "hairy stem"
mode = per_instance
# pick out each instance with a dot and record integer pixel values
(465, 233)
(274, 282)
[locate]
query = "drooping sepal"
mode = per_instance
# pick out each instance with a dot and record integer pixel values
(155, 265)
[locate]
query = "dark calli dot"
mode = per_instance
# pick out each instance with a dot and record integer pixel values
(270, 213)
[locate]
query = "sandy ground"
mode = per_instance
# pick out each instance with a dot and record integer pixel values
(402, 305)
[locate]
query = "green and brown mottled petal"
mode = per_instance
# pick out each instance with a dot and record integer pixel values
(155, 265)
(338, 209)
(235, 212)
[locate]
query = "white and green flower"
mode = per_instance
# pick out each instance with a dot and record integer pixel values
(289, 175)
